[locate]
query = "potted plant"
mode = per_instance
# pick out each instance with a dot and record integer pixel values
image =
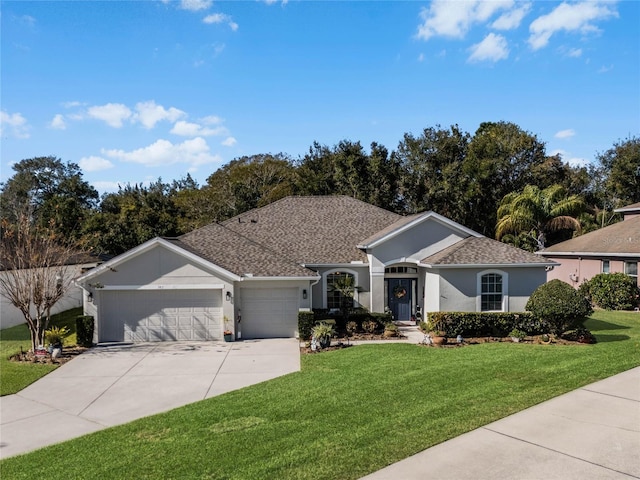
(228, 334)
(321, 334)
(391, 330)
(438, 337)
(55, 338)
(517, 335)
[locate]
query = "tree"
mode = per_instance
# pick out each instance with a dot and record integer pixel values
(539, 214)
(431, 166)
(347, 169)
(49, 190)
(35, 272)
(620, 169)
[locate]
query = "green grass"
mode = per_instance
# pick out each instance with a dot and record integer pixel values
(347, 413)
(16, 376)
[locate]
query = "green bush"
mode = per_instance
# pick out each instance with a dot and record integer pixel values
(580, 334)
(560, 305)
(306, 322)
(84, 330)
(482, 324)
(612, 291)
(55, 335)
(369, 326)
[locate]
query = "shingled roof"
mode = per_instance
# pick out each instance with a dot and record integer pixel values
(622, 238)
(482, 251)
(314, 230)
(238, 254)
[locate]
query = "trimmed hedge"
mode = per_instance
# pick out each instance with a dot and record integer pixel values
(483, 324)
(84, 330)
(560, 305)
(612, 291)
(306, 322)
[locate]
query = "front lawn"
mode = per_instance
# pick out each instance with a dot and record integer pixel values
(15, 376)
(347, 413)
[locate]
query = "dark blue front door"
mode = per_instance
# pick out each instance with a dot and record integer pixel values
(399, 298)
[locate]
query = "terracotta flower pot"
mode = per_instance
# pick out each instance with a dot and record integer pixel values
(439, 340)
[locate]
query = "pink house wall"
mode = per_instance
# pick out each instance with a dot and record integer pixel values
(576, 271)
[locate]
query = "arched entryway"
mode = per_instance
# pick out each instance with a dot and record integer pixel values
(400, 284)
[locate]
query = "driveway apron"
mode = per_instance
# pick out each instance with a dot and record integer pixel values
(114, 384)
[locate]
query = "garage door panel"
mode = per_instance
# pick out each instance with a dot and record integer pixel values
(141, 316)
(269, 313)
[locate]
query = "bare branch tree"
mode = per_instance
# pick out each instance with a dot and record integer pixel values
(35, 272)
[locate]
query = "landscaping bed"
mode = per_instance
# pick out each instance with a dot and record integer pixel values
(67, 354)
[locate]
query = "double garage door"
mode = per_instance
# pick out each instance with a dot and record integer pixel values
(269, 312)
(160, 315)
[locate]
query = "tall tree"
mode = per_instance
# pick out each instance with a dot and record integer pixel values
(539, 215)
(35, 271)
(49, 190)
(620, 168)
(431, 166)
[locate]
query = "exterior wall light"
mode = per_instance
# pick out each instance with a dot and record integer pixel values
(304, 294)
(229, 296)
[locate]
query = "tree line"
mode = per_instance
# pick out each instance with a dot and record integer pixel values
(498, 181)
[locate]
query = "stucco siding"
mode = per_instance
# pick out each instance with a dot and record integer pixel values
(577, 270)
(417, 243)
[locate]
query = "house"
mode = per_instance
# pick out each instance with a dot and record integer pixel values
(253, 273)
(78, 265)
(615, 248)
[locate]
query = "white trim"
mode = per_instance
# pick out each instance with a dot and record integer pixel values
(148, 245)
(252, 278)
(199, 286)
(490, 265)
(588, 254)
(505, 289)
(421, 218)
(324, 284)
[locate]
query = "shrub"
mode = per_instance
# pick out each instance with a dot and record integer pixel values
(479, 324)
(391, 330)
(306, 322)
(369, 326)
(323, 333)
(84, 330)
(352, 328)
(612, 291)
(516, 333)
(559, 305)
(55, 335)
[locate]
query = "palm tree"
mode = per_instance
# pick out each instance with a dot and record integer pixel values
(538, 214)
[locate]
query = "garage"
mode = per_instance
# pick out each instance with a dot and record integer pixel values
(160, 315)
(269, 312)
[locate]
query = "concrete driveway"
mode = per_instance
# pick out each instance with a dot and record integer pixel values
(111, 385)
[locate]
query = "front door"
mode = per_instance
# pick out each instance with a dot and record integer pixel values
(399, 298)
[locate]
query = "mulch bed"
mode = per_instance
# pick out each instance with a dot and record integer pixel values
(341, 343)
(68, 353)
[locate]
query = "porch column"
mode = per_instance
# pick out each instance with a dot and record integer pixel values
(376, 278)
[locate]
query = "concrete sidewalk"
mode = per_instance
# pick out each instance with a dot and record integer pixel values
(111, 385)
(590, 433)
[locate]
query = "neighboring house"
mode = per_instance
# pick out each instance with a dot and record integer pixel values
(615, 248)
(259, 269)
(11, 316)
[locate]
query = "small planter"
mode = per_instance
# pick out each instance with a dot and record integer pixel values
(228, 337)
(438, 340)
(515, 339)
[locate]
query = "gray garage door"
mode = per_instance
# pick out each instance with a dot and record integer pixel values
(149, 316)
(269, 312)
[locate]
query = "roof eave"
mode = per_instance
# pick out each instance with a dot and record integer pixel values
(489, 265)
(588, 254)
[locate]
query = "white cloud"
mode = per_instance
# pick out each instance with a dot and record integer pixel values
(512, 19)
(212, 120)
(229, 142)
(195, 5)
(105, 186)
(493, 48)
(94, 164)
(111, 113)
(217, 18)
(194, 152)
(14, 125)
(569, 17)
(58, 122)
(568, 133)
(574, 52)
(72, 104)
(149, 114)
(578, 162)
(453, 19)
(188, 129)
(605, 69)
(421, 58)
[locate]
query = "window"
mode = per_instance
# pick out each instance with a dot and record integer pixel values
(606, 267)
(340, 289)
(631, 269)
(491, 292)
(401, 270)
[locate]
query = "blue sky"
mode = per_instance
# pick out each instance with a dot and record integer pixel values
(136, 90)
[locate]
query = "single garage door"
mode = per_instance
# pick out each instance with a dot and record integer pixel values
(269, 312)
(160, 315)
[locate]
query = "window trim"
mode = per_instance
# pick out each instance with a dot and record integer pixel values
(325, 290)
(626, 269)
(505, 289)
(602, 266)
